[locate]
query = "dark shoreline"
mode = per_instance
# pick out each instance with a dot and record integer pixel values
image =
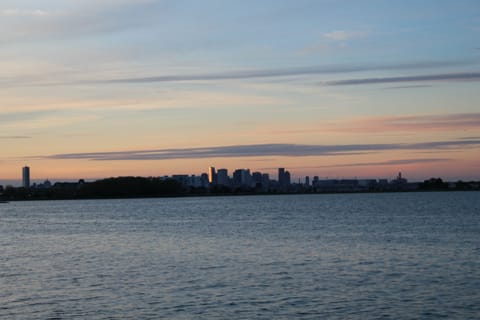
(141, 187)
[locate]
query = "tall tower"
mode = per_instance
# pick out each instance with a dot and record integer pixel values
(26, 177)
(281, 175)
(283, 179)
(212, 175)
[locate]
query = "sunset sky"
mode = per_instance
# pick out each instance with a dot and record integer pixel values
(338, 89)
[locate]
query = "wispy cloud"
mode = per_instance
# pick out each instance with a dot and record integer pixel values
(416, 123)
(409, 87)
(407, 123)
(14, 137)
(262, 150)
(342, 35)
(390, 162)
(396, 162)
(465, 76)
(42, 119)
(317, 70)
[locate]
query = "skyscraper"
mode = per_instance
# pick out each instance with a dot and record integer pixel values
(222, 177)
(283, 179)
(281, 173)
(212, 175)
(26, 177)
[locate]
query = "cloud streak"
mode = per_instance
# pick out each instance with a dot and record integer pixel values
(14, 137)
(464, 76)
(408, 123)
(312, 70)
(390, 162)
(409, 87)
(416, 123)
(262, 150)
(342, 35)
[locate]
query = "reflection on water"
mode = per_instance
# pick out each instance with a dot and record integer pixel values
(266, 257)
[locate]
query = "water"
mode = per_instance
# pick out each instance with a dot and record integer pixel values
(363, 256)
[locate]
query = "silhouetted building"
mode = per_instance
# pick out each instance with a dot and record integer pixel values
(400, 179)
(204, 180)
(315, 181)
(307, 181)
(212, 175)
(246, 178)
(237, 178)
(242, 178)
(281, 173)
(382, 182)
(183, 179)
(26, 177)
(265, 181)
(45, 185)
(367, 184)
(283, 179)
(222, 177)
(195, 181)
(257, 179)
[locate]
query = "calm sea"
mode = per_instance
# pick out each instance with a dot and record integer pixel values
(361, 256)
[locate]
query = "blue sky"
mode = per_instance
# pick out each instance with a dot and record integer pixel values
(84, 77)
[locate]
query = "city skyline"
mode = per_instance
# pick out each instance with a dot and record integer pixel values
(338, 89)
(219, 182)
(213, 176)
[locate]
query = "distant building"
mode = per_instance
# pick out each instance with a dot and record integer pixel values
(195, 181)
(315, 181)
(257, 179)
(212, 175)
(237, 178)
(242, 178)
(307, 181)
(204, 180)
(45, 185)
(265, 181)
(281, 174)
(246, 178)
(183, 179)
(399, 180)
(222, 177)
(283, 179)
(26, 177)
(367, 184)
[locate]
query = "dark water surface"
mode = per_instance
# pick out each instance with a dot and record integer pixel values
(363, 256)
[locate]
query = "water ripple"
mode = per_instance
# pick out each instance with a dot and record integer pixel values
(385, 256)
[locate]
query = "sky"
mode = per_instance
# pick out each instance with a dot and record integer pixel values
(332, 88)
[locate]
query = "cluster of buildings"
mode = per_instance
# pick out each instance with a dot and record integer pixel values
(240, 179)
(244, 180)
(26, 180)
